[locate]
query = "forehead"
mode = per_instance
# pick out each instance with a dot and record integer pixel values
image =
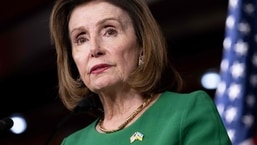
(97, 10)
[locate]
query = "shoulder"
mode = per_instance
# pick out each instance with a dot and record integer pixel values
(198, 96)
(185, 101)
(193, 93)
(79, 135)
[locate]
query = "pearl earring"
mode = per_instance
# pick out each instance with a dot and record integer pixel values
(140, 60)
(80, 82)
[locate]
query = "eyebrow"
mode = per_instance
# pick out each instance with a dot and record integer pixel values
(98, 23)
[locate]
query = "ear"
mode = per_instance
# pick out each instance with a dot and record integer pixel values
(141, 53)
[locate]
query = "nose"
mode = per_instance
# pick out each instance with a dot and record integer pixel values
(96, 49)
(96, 53)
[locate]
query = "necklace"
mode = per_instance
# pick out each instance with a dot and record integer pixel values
(132, 116)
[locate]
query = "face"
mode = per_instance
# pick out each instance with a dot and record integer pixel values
(104, 45)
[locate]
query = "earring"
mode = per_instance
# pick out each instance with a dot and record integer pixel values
(140, 60)
(80, 82)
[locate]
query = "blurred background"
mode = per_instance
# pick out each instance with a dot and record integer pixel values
(28, 75)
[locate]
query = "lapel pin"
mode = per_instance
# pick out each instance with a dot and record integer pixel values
(136, 136)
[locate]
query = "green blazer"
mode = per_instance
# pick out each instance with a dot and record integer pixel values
(174, 119)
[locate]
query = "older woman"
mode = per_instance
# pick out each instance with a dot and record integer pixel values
(115, 49)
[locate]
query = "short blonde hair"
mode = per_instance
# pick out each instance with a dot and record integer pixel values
(155, 75)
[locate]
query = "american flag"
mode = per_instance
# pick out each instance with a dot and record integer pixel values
(236, 94)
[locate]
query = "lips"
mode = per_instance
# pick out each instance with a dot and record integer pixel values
(99, 68)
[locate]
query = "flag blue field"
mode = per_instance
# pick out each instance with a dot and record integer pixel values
(236, 94)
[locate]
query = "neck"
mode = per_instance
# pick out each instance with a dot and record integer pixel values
(102, 125)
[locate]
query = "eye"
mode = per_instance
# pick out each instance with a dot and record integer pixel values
(80, 40)
(111, 32)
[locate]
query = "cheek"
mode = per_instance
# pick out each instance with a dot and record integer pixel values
(80, 61)
(131, 55)
(128, 60)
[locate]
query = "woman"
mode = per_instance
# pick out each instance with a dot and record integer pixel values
(115, 49)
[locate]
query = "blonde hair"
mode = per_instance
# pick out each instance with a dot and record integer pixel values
(155, 75)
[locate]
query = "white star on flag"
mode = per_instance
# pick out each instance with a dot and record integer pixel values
(236, 95)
